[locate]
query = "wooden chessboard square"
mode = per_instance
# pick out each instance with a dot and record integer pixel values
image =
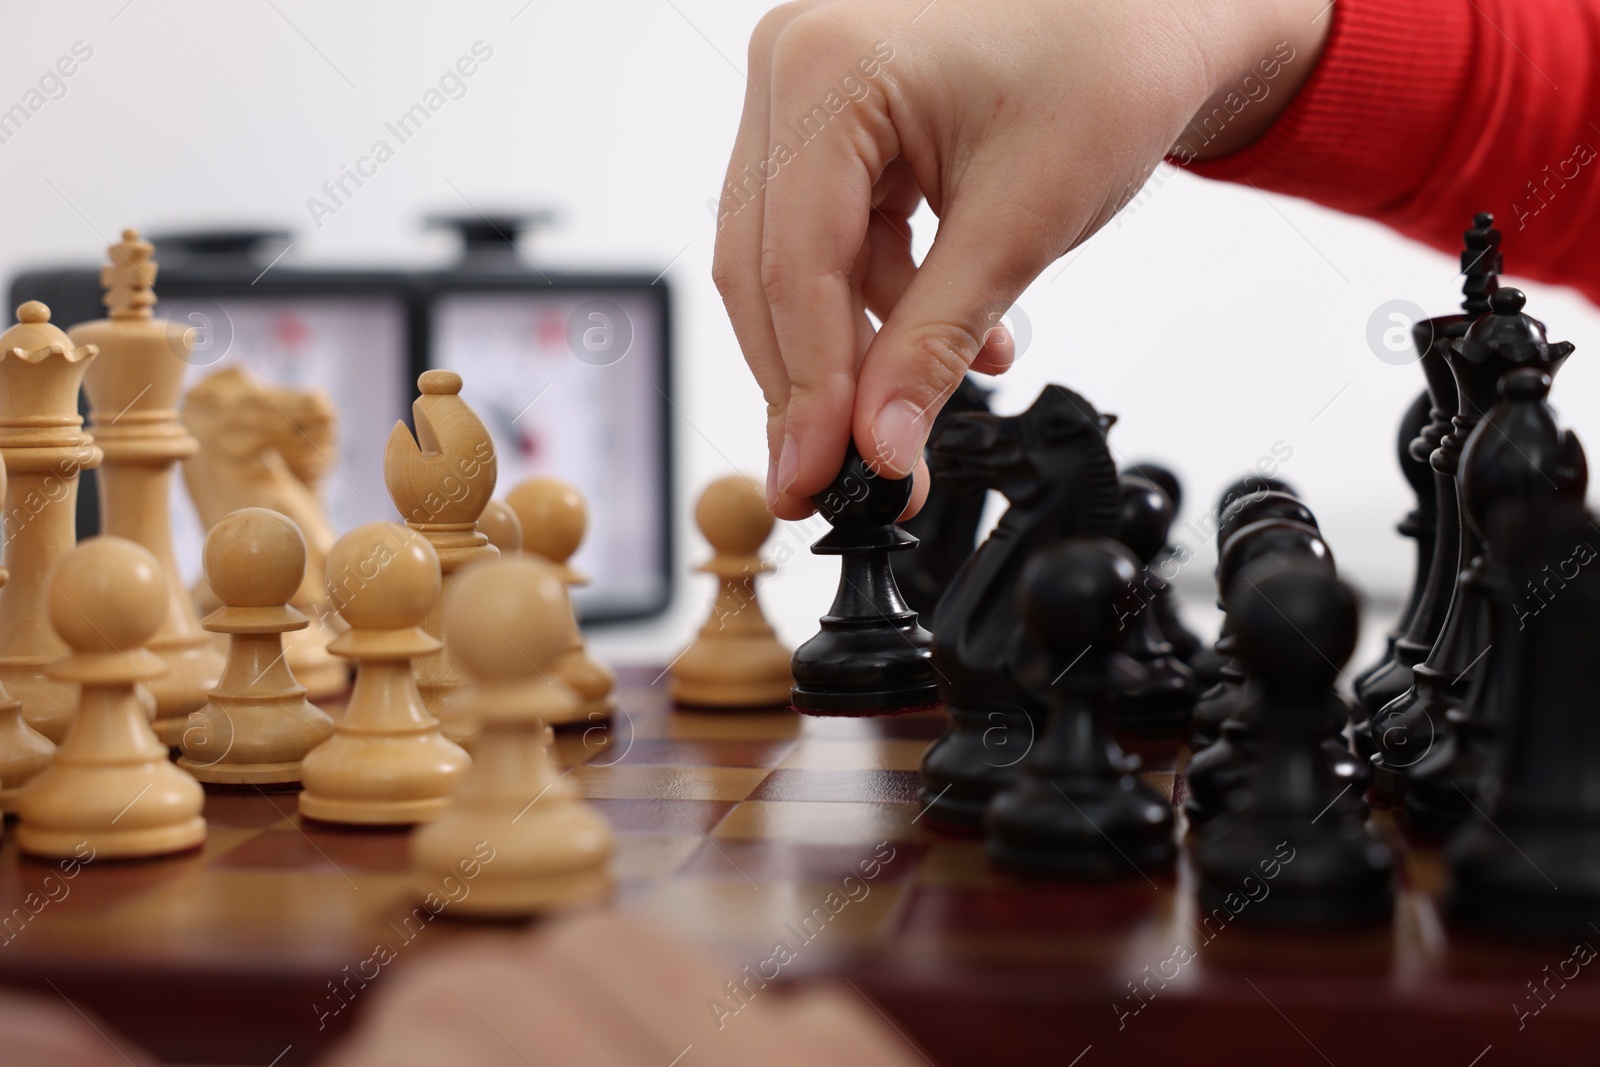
(789, 861)
(778, 724)
(250, 808)
(309, 846)
(94, 887)
(701, 753)
(875, 787)
(819, 822)
(260, 909)
(1025, 909)
(627, 782)
(812, 917)
(651, 858)
(955, 863)
(913, 726)
(825, 754)
(660, 816)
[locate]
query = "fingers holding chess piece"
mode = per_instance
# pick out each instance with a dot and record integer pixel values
(554, 519)
(1075, 810)
(872, 656)
(111, 784)
(1296, 626)
(736, 661)
(535, 844)
(258, 725)
(387, 762)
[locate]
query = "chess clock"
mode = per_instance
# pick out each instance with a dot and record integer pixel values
(571, 372)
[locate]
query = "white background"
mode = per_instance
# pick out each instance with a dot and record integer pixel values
(1213, 320)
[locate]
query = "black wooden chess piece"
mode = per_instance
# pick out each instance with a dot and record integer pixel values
(1295, 625)
(1075, 810)
(1407, 729)
(1158, 699)
(1380, 683)
(1184, 641)
(946, 528)
(1530, 862)
(1208, 663)
(1052, 464)
(1223, 700)
(1216, 774)
(1519, 460)
(871, 656)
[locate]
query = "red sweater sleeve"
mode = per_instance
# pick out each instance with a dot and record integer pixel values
(1422, 112)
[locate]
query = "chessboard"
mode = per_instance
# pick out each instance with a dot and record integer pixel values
(738, 830)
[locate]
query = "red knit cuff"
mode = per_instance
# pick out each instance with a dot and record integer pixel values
(1367, 127)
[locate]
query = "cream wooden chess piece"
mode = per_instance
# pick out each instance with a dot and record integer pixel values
(386, 763)
(258, 725)
(24, 751)
(554, 518)
(43, 446)
(736, 661)
(508, 622)
(440, 489)
(111, 785)
(269, 446)
(502, 527)
(133, 391)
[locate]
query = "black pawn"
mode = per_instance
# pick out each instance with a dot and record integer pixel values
(946, 528)
(1530, 863)
(1519, 460)
(1295, 626)
(871, 656)
(1184, 641)
(1075, 810)
(1216, 774)
(1222, 701)
(1159, 698)
(1208, 663)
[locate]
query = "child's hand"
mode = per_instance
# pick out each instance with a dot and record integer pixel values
(1025, 124)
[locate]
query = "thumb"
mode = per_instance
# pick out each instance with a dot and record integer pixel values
(950, 314)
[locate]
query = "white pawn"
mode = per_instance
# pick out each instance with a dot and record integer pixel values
(502, 527)
(736, 661)
(111, 785)
(517, 829)
(554, 518)
(386, 763)
(258, 725)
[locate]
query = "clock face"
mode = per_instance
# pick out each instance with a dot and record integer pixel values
(571, 384)
(352, 348)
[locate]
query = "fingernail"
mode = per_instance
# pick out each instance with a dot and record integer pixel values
(897, 434)
(772, 482)
(788, 464)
